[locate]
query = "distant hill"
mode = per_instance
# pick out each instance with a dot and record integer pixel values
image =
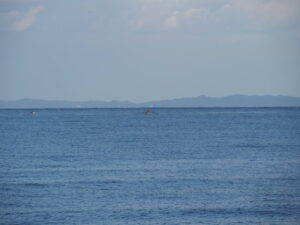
(229, 101)
(201, 101)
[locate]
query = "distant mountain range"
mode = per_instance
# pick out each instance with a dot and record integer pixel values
(201, 101)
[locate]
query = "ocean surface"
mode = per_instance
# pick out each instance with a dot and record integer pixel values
(175, 166)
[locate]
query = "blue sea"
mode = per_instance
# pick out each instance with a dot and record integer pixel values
(172, 167)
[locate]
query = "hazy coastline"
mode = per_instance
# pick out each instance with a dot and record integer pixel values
(200, 101)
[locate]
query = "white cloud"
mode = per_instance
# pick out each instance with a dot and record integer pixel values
(159, 13)
(178, 18)
(18, 20)
(27, 19)
(174, 14)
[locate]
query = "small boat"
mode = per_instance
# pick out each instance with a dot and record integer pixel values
(148, 111)
(33, 113)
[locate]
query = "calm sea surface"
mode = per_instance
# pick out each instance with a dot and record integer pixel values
(175, 166)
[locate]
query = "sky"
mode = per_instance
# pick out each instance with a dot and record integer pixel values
(142, 50)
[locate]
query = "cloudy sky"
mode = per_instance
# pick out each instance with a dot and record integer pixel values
(143, 50)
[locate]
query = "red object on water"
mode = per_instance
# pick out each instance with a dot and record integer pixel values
(148, 111)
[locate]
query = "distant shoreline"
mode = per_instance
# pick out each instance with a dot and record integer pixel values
(143, 108)
(234, 101)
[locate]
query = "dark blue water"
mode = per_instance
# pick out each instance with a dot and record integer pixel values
(176, 166)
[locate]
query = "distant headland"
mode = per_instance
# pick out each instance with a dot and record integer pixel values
(200, 101)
